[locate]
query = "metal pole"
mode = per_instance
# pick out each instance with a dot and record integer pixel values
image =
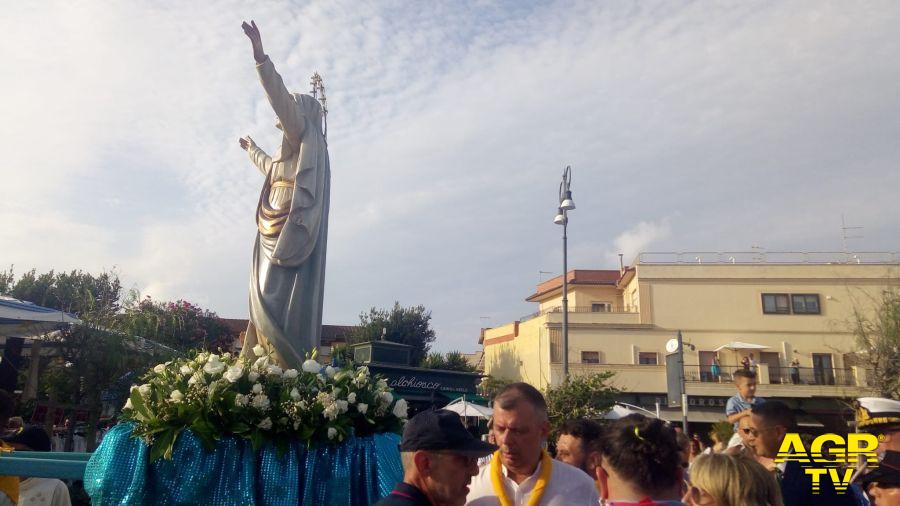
(565, 301)
(684, 399)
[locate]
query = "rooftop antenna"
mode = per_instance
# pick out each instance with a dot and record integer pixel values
(541, 275)
(844, 230)
(483, 318)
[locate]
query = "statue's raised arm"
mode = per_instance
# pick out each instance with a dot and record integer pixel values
(287, 277)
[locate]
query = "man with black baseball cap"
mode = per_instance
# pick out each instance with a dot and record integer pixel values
(439, 459)
(882, 484)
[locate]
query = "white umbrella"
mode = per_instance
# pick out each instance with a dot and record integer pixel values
(738, 345)
(463, 408)
(621, 410)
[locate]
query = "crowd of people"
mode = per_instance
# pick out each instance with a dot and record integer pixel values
(633, 460)
(21, 437)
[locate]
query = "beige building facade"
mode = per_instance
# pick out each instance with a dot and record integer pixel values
(777, 307)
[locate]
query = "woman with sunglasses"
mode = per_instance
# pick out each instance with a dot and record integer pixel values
(725, 480)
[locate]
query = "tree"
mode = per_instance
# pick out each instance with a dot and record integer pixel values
(180, 325)
(878, 341)
(583, 396)
(108, 348)
(491, 386)
(452, 361)
(406, 325)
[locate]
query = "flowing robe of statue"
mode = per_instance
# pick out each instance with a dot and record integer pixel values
(287, 277)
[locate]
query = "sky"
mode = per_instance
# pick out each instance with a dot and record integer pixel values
(689, 126)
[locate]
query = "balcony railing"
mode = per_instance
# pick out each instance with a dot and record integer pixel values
(609, 309)
(777, 375)
(769, 257)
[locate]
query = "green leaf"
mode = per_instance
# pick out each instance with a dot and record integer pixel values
(164, 444)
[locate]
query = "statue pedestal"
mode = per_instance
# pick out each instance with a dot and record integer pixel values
(359, 471)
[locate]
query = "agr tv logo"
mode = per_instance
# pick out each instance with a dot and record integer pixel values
(829, 452)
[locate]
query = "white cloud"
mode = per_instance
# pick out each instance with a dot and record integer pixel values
(638, 239)
(449, 127)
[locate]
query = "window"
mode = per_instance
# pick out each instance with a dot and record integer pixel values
(590, 357)
(776, 303)
(601, 307)
(647, 358)
(805, 304)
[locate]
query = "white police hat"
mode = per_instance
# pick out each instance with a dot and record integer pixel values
(873, 413)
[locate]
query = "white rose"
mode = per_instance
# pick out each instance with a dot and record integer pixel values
(330, 371)
(258, 350)
(266, 424)
(261, 363)
(386, 397)
(290, 373)
(295, 394)
(234, 373)
(185, 369)
(202, 357)
(214, 366)
(127, 404)
(257, 388)
(176, 396)
(159, 369)
(400, 408)
(274, 370)
(213, 358)
(362, 407)
(144, 390)
(332, 432)
(362, 372)
(253, 376)
(311, 366)
(226, 355)
(302, 405)
(240, 400)
(351, 398)
(342, 405)
(261, 402)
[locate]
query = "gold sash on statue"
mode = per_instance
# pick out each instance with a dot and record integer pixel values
(270, 220)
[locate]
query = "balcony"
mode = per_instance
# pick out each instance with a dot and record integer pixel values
(780, 381)
(699, 381)
(590, 315)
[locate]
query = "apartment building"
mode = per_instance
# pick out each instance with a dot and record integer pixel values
(776, 306)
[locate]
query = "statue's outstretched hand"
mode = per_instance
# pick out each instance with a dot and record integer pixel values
(246, 142)
(252, 32)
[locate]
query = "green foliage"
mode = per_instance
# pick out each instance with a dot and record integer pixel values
(491, 386)
(452, 361)
(878, 342)
(723, 431)
(102, 352)
(179, 325)
(406, 325)
(75, 292)
(583, 396)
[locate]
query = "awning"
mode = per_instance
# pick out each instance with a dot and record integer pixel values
(621, 410)
(24, 319)
(465, 408)
(738, 345)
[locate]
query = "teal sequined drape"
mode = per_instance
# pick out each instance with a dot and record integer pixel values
(359, 471)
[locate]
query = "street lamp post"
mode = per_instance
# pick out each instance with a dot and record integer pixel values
(562, 218)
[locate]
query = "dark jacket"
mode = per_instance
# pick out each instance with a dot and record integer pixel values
(405, 494)
(796, 489)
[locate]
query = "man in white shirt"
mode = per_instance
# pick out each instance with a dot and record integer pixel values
(521, 468)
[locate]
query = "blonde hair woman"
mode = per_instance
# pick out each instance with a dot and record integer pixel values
(725, 480)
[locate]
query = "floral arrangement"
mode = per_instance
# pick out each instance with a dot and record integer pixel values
(216, 395)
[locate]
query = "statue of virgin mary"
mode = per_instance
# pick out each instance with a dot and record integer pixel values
(287, 274)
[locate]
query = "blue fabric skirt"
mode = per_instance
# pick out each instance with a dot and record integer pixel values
(359, 471)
